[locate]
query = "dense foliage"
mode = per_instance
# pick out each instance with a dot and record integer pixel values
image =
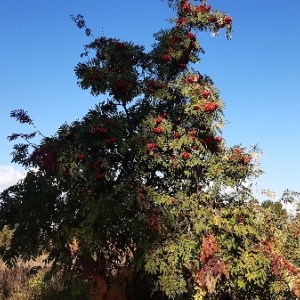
(142, 196)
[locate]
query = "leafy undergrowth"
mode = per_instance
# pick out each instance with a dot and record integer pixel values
(28, 281)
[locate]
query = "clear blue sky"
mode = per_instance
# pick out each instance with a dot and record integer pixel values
(257, 72)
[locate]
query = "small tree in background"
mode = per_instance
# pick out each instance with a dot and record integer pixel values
(142, 196)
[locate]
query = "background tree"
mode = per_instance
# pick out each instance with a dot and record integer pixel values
(141, 195)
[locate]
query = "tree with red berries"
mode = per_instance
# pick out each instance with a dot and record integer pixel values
(142, 196)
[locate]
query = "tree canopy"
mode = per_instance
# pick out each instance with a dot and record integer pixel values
(142, 196)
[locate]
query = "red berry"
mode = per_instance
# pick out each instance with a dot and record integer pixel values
(182, 21)
(202, 8)
(119, 45)
(205, 93)
(237, 151)
(166, 58)
(191, 35)
(186, 7)
(192, 133)
(210, 107)
(208, 141)
(111, 141)
(220, 24)
(81, 157)
(101, 131)
(174, 39)
(176, 135)
(193, 45)
(158, 120)
(227, 20)
(245, 159)
(101, 176)
(190, 79)
(157, 130)
(212, 19)
(151, 146)
(98, 163)
(186, 155)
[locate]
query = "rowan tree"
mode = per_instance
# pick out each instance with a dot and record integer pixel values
(142, 195)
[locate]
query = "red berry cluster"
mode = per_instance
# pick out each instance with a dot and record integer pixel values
(45, 158)
(174, 39)
(211, 140)
(245, 159)
(176, 135)
(185, 155)
(101, 176)
(152, 86)
(186, 7)
(191, 35)
(157, 130)
(121, 87)
(126, 86)
(119, 45)
(220, 23)
(80, 157)
(166, 58)
(111, 141)
(102, 133)
(210, 107)
(239, 156)
(99, 131)
(158, 120)
(151, 147)
(202, 8)
(205, 93)
(192, 79)
(181, 21)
